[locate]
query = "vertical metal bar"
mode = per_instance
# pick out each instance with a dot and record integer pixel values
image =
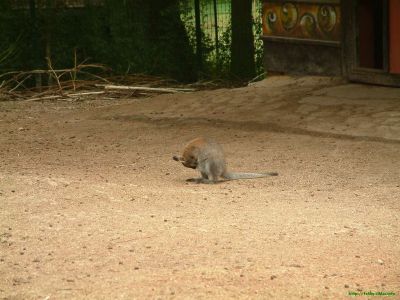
(32, 9)
(216, 32)
(35, 41)
(199, 46)
(385, 33)
(356, 38)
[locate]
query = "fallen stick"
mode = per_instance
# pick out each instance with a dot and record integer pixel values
(77, 69)
(56, 77)
(65, 96)
(86, 93)
(43, 98)
(19, 83)
(256, 78)
(121, 166)
(142, 88)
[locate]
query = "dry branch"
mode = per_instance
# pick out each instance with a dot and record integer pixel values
(40, 71)
(72, 95)
(43, 98)
(16, 78)
(143, 88)
(67, 87)
(86, 94)
(56, 77)
(20, 83)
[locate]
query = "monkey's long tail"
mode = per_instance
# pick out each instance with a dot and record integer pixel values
(232, 176)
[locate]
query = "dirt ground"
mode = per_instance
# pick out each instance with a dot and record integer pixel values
(94, 207)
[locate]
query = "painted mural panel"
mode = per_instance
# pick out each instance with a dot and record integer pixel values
(302, 20)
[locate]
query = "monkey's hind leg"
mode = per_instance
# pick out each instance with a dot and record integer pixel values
(195, 180)
(200, 180)
(203, 179)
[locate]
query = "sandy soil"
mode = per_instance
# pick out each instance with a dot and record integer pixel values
(93, 206)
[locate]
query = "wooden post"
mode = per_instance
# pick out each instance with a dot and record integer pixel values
(394, 36)
(35, 44)
(199, 46)
(242, 47)
(216, 32)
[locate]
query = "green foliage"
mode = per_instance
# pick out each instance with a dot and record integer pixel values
(258, 43)
(129, 36)
(218, 66)
(8, 53)
(14, 33)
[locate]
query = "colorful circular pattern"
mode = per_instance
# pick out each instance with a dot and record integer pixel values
(327, 18)
(289, 16)
(308, 25)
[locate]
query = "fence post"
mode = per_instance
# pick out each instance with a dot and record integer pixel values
(35, 44)
(216, 32)
(242, 45)
(199, 46)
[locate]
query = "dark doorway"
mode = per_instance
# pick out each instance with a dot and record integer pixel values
(371, 41)
(370, 26)
(394, 36)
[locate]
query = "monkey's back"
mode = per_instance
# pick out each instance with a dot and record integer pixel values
(207, 152)
(193, 147)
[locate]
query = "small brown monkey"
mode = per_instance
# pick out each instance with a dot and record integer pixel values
(208, 157)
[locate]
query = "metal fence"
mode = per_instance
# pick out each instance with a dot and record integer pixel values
(208, 23)
(126, 36)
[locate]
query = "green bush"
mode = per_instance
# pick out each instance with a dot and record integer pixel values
(131, 36)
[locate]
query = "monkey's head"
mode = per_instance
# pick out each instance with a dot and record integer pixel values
(189, 161)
